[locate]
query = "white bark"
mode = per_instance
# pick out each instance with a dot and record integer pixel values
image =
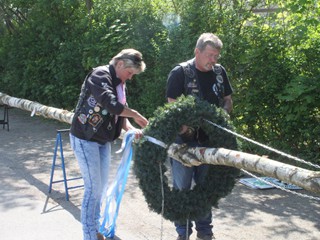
(37, 108)
(309, 180)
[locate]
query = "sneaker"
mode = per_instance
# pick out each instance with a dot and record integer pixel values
(205, 237)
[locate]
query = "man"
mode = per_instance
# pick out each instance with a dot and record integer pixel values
(100, 115)
(203, 78)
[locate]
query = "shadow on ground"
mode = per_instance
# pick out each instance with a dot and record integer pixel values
(26, 154)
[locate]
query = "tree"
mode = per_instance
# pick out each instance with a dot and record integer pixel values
(271, 53)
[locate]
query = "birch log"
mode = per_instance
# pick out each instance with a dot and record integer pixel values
(306, 179)
(37, 108)
(309, 180)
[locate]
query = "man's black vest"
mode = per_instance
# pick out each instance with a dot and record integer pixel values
(191, 81)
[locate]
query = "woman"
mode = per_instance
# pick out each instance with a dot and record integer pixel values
(99, 116)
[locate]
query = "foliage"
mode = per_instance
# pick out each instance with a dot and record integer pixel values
(277, 92)
(40, 57)
(185, 204)
(272, 57)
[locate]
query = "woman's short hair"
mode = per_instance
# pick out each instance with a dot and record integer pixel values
(131, 59)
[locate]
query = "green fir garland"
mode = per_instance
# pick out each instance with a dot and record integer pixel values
(185, 204)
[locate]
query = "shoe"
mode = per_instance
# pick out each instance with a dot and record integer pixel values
(100, 236)
(205, 237)
(180, 237)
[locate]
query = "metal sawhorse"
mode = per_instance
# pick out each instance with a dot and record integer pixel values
(65, 180)
(5, 120)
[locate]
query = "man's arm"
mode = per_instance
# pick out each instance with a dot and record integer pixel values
(228, 104)
(184, 128)
(171, 100)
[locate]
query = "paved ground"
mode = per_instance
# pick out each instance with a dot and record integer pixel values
(28, 212)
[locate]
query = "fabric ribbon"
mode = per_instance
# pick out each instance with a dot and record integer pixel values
(111, 199)
(112, 196)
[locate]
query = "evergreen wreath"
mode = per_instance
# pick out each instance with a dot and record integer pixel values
(164, 126)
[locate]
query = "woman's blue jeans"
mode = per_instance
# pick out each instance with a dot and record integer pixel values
(93, 159)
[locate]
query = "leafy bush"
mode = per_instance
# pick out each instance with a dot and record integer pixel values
(272, 58)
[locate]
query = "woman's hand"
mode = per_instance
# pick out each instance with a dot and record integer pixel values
(138, 133)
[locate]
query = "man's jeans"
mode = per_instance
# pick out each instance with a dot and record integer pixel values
(182, 179)
(93, 159)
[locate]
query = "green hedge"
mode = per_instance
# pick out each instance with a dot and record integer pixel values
(47, 47)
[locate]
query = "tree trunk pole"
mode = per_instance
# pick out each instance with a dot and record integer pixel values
(309, 180)
(37, 108)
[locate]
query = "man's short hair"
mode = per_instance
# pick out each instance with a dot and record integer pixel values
(209, 39)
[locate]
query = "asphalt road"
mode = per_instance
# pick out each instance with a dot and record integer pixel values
(28, 212)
